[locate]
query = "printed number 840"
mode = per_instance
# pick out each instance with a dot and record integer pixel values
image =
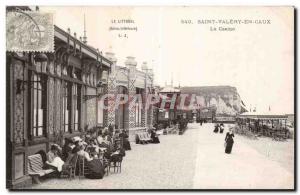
(186, 22)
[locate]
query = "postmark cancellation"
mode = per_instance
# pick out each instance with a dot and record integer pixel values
(28, 31)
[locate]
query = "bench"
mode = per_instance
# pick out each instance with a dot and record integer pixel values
(173, 130)
(142, 138)
(35, 167)
(279, 136)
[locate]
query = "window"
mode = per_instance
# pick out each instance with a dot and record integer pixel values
(39, 105)
(77, 105)
(67, 106)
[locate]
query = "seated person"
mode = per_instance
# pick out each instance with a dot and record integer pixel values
(106, 139)
(53, 158)
(124, 139)
(95, 166)
(118, 153)
(79, 149)
(67, 148)
(115, 135)
(103, 142)
(93, 148)
(99, 138)
(154, 137)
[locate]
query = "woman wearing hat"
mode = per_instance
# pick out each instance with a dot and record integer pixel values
(79, 148)
(229, 141)
(154, 137)
(124, 140)
(221, 128)
(95, 166)
(216, 130)
(67, 148)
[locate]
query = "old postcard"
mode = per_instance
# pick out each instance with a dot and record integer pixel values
(150, 97)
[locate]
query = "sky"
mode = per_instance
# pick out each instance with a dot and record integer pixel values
(257, 59)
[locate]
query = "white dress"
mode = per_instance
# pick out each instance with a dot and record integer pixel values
(55, 161)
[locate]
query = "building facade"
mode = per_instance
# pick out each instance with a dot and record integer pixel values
(50, 96)
(127, 80)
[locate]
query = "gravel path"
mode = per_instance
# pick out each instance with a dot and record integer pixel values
(195, 159)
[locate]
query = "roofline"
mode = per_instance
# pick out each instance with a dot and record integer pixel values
(63, 35)
(263, 116)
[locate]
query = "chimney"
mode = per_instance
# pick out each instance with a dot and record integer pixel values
(111, 56)
(130, 62)
(144, 67)
(131, 65)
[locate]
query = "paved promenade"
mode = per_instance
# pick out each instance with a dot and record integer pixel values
(244, 168)
(193, 160)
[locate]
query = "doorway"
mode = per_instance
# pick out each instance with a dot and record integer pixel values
(120, 111)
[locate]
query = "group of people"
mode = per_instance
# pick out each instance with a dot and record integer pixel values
(201, 121)
(219, 128)
(108, 145)
(228, 138)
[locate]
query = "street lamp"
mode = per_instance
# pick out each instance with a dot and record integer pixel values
(102, 82)
(41, 61)
(100, 86)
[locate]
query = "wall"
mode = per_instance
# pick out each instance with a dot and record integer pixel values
(18, 109)
(91, 106)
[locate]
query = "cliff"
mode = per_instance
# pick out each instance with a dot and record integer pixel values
(225, 99)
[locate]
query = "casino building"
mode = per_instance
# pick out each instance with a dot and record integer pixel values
(52, 96)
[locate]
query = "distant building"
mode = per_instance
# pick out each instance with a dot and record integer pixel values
(290, 119)
(266, 123)
(166, 113)
(216, 101)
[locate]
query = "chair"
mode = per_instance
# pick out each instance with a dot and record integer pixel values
(116, 163)
(83, 169)
(70, 167)
(106, 164)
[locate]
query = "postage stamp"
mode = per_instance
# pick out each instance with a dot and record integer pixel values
(29, 31)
